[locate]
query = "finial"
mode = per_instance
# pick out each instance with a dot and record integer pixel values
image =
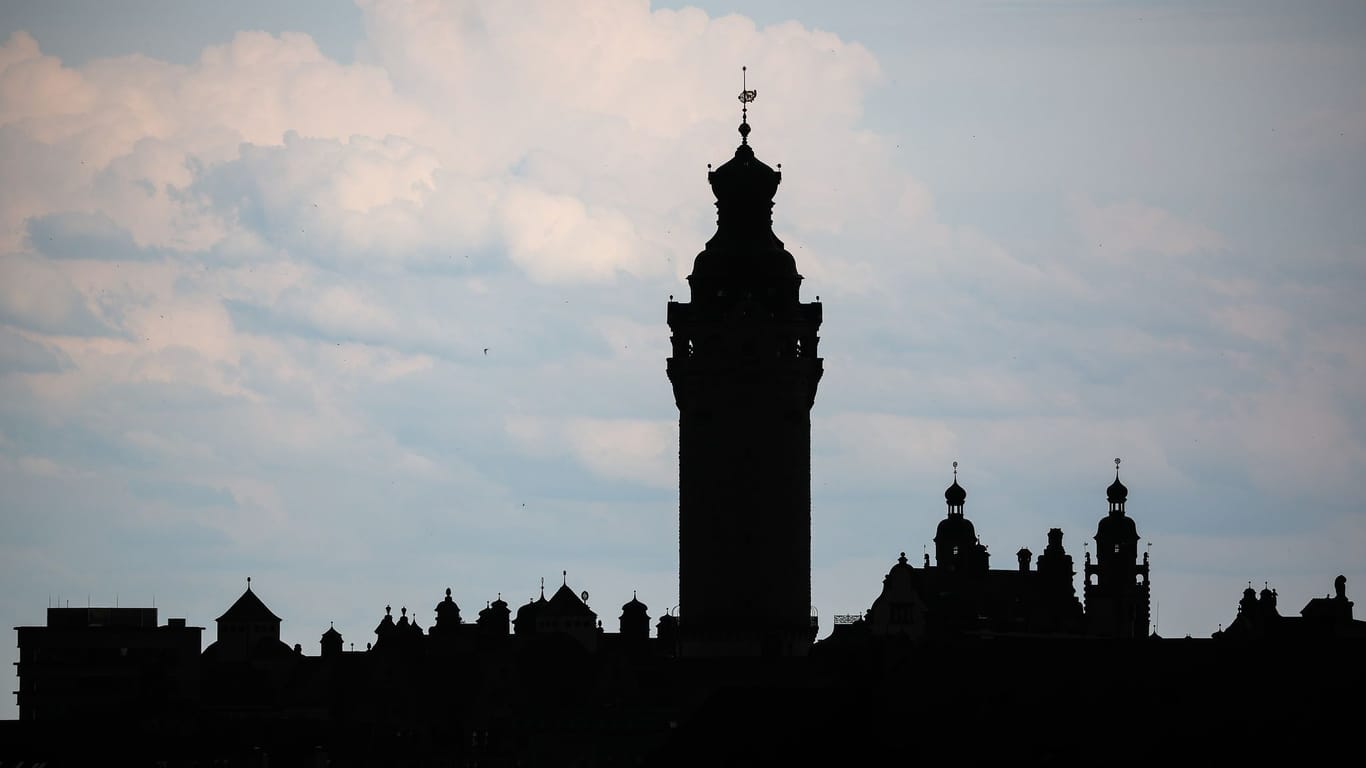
(542, 587)
(388, 610)
(746, 96)
(955, 471)
(448, 591)
(633, 594)
(248, 583)
(1116, 467)
(403, 611)
(564, 578)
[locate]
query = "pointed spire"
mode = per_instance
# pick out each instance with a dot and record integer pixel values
(746, 96)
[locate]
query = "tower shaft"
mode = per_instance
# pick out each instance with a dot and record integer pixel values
(744, 371)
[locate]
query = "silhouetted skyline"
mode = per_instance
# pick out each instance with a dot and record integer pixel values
(284, 312)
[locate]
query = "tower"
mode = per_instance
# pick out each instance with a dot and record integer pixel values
(1117, 602)
(744, 371)
(956, 547)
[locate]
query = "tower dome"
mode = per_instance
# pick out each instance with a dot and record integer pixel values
(1117, 493)
(955, 494)
(745, 259)
(447, 612)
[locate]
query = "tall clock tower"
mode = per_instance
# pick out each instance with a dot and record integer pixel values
(744, 371)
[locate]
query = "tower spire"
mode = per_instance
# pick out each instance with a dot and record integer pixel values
(746, 96)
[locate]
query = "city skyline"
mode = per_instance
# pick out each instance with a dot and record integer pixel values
(316, 295)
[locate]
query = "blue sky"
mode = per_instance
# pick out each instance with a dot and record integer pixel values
(250, 261)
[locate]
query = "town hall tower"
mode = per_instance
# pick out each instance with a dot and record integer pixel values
(744, 370)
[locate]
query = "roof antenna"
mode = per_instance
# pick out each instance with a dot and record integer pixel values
(746, 96)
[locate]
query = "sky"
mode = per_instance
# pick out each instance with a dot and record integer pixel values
(367, 301)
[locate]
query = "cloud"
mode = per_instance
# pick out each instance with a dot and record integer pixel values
(37, 296)
(78, 235)
(1132, 228)
(631, 450)
(19, 354)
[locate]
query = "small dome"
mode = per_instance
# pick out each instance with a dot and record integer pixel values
(531, 608)
(902, 566)
(1116, 492)
(955, 494)
(332, 633)
(635, 606)
(955, 529)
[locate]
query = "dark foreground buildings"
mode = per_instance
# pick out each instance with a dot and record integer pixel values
(953, 662)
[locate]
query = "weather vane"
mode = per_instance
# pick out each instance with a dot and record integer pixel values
(746, 96)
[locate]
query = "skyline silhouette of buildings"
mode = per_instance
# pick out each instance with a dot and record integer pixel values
(951, 660)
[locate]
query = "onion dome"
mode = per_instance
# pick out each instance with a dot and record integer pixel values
(447, 612)
(955, 494)
(331, 634)
(1268, 596)
(635, 607)
(1116, 493)
(635, 620)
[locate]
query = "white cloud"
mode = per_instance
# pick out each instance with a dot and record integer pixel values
(1133, 228)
